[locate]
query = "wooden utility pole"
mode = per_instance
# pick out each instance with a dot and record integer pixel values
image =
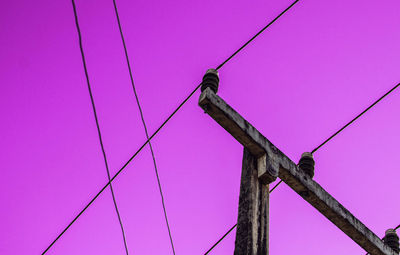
(262, 164)
(252, 228)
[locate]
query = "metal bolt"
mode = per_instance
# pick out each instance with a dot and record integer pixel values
(391, 239)
(307, 163)
(210, 80)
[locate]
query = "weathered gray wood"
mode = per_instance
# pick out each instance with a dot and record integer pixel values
(240, 129)
(278, 164)
(253, 223)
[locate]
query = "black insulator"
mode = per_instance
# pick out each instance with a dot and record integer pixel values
(391, 239)
(210, 80)
(307, 163)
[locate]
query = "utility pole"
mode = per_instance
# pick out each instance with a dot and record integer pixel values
(253, 216)
(262, 164)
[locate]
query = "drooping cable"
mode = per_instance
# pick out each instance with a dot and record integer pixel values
(98, 130)
(144, 124)
(358, 116)
(154, 134)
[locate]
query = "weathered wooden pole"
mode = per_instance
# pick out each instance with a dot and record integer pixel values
(253, 215)
(263, 158)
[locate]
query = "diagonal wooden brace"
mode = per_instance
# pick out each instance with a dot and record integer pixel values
(279, 165)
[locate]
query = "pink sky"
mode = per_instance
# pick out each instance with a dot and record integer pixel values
(311, 72)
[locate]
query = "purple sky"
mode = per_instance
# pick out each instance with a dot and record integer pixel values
(311, 72)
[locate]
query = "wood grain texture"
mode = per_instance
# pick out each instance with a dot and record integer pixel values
(253, 223)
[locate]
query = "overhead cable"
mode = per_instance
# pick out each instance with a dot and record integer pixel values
(159, 128)
(98, 132)
(144, 126)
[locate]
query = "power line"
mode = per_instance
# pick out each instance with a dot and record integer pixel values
(348, 124)
(98, 125)
(121, 169)
(372, 105)
(276, 186)
(256, 35)
(234, 226)
(358, 116)
(222, 238)
(154, 134)
(98, 129)
(144, 125)
(318, 147)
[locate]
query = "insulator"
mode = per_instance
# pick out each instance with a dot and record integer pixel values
(210, 80)
(391, 239)
(307, 163)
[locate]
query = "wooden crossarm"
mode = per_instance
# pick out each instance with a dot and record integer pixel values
(279, 165)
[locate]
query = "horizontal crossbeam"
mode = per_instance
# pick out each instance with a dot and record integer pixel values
(279, 165)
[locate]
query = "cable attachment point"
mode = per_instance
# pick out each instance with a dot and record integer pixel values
(210, 80)
(391, 239)
(307, 163)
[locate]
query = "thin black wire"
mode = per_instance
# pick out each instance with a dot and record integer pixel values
(256, 35)
(234, 226)
(222, 238)
(148, 140)
(123, 167)
(359, 115)
(144, 124)
(98, 128)
(372, 105)
(276, 186)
